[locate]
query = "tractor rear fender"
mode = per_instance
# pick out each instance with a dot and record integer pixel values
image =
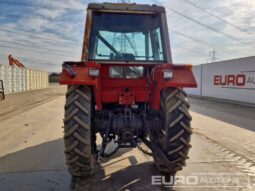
(145, 89)
(77, 73)
(182, 76)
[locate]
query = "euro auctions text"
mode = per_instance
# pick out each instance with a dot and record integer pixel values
(206, 180)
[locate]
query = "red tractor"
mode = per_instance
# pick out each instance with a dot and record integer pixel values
(126, 90)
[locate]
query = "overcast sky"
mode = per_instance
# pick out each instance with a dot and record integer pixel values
(42, 34)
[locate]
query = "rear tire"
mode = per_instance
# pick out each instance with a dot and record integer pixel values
(77, 131)
(175, 135)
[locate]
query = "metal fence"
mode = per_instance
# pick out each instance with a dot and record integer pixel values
(22, 79)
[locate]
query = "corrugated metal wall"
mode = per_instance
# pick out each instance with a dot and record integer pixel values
(22, 79)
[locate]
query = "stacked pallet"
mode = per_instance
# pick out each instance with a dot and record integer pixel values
(18, 79)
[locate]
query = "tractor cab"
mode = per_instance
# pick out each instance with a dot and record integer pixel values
(129, 33)
(127, 37)
(126, 33)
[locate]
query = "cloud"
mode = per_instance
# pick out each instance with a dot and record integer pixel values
(49, 32)
(239, 13)
(42, 33)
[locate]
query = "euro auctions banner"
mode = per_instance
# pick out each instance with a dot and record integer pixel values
(242, 81)
(231, 80)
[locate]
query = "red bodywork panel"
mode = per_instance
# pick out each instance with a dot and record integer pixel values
(129, 91)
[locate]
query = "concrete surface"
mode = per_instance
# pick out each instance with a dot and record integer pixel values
(32, 159)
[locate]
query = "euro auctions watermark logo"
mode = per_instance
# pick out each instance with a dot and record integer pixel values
(205, 180)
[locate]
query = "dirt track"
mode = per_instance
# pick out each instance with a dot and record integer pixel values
(31, 149)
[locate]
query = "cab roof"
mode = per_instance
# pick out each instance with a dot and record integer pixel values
(117, 7)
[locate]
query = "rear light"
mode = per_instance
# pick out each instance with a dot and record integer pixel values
(93, 72)
(168, 74)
